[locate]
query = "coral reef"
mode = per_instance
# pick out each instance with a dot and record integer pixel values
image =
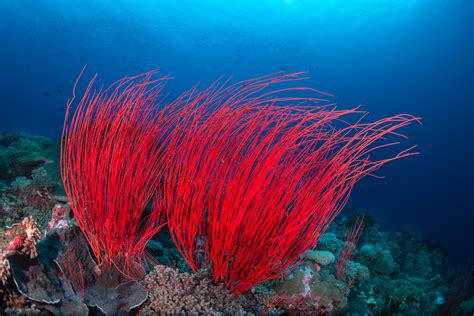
(393, 272)
(313, 290)
(30, 183)
(22, 155)
(19, 238)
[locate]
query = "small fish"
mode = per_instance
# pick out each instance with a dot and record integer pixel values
(46, 93)
(58, 90)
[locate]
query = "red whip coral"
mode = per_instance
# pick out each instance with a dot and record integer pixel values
(111, 162)
(255, 177)
(350, 241)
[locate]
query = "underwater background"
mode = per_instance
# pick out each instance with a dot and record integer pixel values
(412, 56)
(391, 57)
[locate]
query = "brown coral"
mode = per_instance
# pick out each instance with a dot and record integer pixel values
(171, 292)
(299, 304)
(4, 269)
(17, 304)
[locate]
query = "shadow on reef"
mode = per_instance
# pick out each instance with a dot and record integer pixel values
(46, 266)
(64, 279)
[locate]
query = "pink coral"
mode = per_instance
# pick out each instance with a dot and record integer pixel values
(24, 237)
(58, 218)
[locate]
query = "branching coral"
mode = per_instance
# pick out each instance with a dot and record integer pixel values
(23, 237)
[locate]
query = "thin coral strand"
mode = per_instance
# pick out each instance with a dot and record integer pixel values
(350, 241)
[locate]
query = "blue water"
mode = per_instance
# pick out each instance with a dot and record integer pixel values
(391, 56)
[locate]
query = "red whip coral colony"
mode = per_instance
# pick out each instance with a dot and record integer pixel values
(247, 176)
(111, 165)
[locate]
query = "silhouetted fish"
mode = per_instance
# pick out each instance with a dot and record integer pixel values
(46, 93)
(58, 90)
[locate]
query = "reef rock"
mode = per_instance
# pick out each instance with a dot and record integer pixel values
(330, 242)
(23, 155)
(356, 272)
(312, 291)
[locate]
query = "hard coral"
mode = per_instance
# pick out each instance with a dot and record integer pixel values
(377, 259)
(23, 237)
(299, 304)
(171, 292)
(310, 291)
